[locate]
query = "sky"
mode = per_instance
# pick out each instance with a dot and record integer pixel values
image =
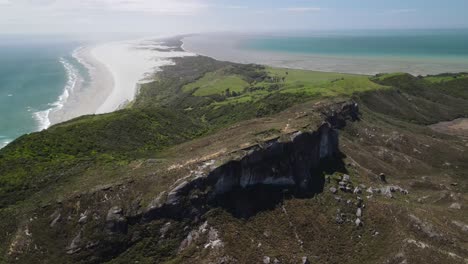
(191, 16)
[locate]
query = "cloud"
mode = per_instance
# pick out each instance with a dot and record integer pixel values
(400, 11)
(301, 9)
(157, 6)
(147, 6)
(5, 2)
(236, 7)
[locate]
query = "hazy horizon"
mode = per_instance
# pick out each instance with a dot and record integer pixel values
(139, 17)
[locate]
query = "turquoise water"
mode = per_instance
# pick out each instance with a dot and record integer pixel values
(33, 77)
(449, 44)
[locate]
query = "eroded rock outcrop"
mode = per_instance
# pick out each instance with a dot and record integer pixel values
(292, 162)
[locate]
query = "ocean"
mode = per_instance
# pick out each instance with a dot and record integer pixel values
(37, 75)
(449, 45)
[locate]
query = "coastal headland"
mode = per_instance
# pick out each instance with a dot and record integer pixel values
(220, 162)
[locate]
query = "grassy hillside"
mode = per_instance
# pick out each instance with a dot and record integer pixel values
(34, 161)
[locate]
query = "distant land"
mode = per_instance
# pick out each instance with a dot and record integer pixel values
(419, 52)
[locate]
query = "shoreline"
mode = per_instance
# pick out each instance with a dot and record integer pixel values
(226, 48)
(116, 71)
(85, 99)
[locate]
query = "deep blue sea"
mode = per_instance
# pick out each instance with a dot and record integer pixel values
(35, 73)
(443, 44)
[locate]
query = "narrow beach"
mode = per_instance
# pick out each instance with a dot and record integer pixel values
(115, 70)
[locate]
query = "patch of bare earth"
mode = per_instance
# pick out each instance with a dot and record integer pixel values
(458, 127)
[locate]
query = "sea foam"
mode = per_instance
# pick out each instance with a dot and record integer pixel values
(42, 117)
(4, 141)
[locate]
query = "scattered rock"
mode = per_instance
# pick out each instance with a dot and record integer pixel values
(266, 260)
(56, 217)
(455, 206)
(83, 217)
(276, 261)
(358, 222)
(74, 245)
(173, 196)
(92, 244)
(342, 185)
(339, 218)
(163, 231)
(357, 190)
(193, 236)
(333, 190)
(360, 202)
(359, 212)
(214, 241)
(305, 260)
(462, 226)
(382, 177)
(424, 227)
(115, 221)
(346, 178)
(387, 192)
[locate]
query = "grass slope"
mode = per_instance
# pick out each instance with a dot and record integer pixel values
(214, 83)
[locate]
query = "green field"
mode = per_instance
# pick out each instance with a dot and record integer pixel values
(287, 81)
(324, 84)
(216, 83)
(445, 77)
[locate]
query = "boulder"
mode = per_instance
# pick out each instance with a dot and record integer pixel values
(74, 245)
(346, 178)
(266, 260)
(115, 221)
(455, 206)
(358, 222)
(305, 260)
(387, 192)
(333, 190)
(339, 219)
(56, 217)
(359, 212)
(357, 190)
(382, 177)
(163, 230)
(83, 217)
(174, 195)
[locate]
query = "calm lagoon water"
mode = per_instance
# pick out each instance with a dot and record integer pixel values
(424, 44)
